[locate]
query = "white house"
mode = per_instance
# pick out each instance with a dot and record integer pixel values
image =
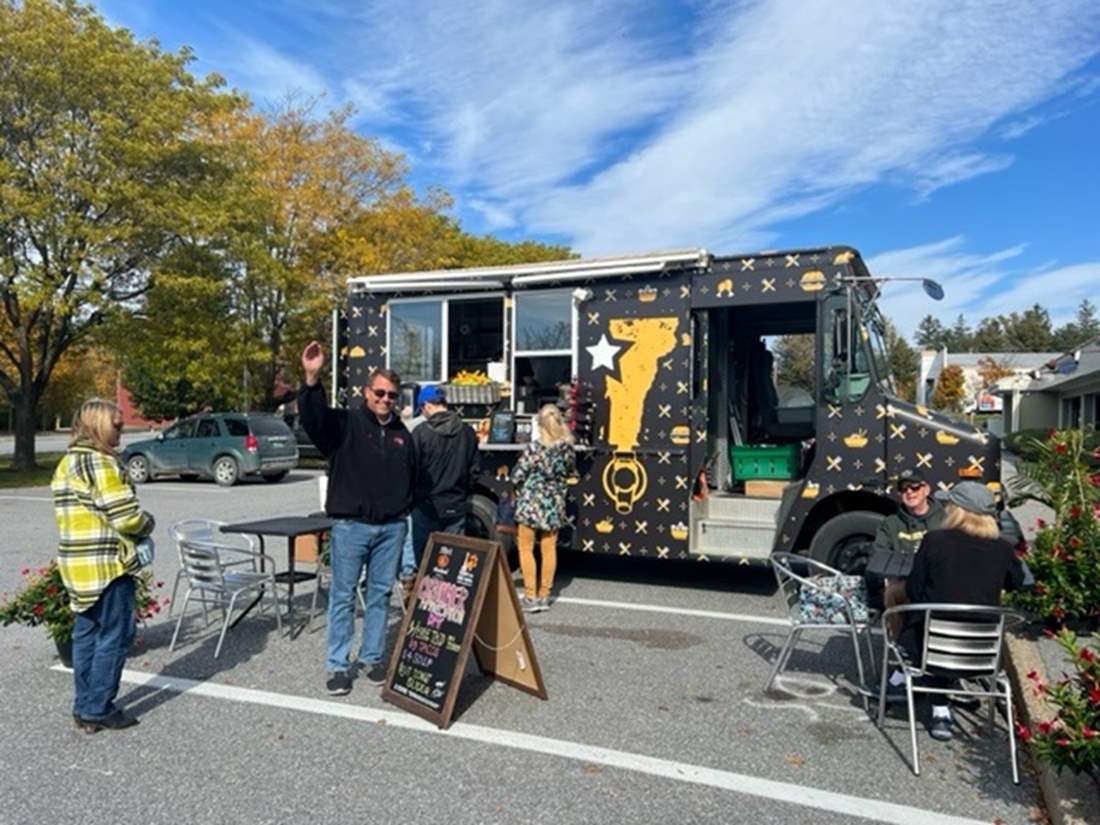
(933, 362)
(1064, 392)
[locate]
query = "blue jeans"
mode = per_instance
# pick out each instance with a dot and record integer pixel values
(408, 557)
(425, 521)
(354, 546)
(101, 639)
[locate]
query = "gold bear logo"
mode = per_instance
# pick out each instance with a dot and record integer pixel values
(844, 257)
(724, 288)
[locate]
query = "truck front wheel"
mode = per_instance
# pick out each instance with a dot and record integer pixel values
(845, 540)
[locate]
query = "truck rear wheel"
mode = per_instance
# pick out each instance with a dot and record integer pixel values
(481, 523)
(845, 540)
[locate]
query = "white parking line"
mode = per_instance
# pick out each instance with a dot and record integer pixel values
(677, 611)
(790, 793)
(28, 498)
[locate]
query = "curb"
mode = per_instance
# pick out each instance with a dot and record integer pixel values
(1069, 798)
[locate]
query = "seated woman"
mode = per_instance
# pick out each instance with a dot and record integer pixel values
(965, 562)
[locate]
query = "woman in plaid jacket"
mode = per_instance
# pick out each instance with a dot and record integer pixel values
(99, 520)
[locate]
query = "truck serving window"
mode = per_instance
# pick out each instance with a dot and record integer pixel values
(544, 349)
(416, 340)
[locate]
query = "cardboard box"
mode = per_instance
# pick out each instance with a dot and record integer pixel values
(761, 488)
(305, 549)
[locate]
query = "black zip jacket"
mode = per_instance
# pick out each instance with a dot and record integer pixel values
(372, 467)
(446, 449)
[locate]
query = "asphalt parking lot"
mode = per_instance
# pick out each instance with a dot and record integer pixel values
(655, 713)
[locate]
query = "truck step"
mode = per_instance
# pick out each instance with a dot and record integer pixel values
(749, 537)
(740, 507)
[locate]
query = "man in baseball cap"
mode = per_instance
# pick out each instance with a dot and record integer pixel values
(903, 531)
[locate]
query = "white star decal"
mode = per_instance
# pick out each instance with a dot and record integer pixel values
(603, 353)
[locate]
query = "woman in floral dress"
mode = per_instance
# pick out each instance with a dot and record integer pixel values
(540, 479)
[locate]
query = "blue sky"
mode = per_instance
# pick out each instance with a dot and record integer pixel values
(942, 138)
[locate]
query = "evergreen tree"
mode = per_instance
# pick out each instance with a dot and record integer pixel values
(1083, 328)
(988, 337)
(958, 338)
(930, 333)
(1029, 331)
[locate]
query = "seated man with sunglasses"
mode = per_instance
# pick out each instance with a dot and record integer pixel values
(917, 514)
(372, 474)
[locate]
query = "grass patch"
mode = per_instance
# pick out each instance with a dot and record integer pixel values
(9, 477)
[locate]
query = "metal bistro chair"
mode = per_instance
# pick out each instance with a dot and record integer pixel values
(792, 585)
(208, 577)
(961, 641)
(207, 532)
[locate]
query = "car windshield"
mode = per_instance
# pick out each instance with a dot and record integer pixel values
(269, 425)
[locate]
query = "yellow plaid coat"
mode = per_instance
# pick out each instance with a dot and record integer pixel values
(99, 520)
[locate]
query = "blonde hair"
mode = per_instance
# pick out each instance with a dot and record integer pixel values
(973, 524)
(94, 424)
(552, 429)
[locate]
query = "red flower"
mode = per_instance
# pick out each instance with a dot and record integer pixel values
(1051, 432)
(1045, 727)
(1089, 733)
(1094, 696)
(1040, 523)
(51, 590)
(1095, 479)
(1058, 612)
(1060, 448)
(1096, 453)
(39, 609)
(1087, 655)
(1075, 512)
(1033, 675)
(1024, 732)
(1063, 742)
(1075, 542)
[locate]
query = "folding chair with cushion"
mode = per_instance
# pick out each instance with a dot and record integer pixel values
(960, 641)
(215, 583)
(819, 597)
(207, 532)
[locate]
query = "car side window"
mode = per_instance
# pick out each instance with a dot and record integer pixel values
(236, 427)
(182, 429)
(208, 428)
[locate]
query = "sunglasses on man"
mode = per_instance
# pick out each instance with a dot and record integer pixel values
(909, 488)
(390, 394)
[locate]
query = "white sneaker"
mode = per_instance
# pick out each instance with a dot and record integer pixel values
(531, 605)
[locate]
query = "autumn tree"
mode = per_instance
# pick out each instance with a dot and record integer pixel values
(950, 389)
(103, 169)
(904, 363)
(993, 370)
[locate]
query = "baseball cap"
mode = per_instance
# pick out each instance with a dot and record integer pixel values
(430, 395)
(910, 475)
(970, 495)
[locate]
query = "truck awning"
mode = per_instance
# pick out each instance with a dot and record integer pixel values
(538, 274)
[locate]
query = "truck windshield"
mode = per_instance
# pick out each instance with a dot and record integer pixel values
(875, 324)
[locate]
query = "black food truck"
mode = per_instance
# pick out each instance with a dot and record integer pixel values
(686, 446)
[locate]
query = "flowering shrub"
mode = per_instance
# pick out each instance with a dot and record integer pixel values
(1072, 738)
(1065, 556)
(44, 601)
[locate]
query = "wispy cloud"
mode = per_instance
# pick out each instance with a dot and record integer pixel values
(978, 286)
(591, 126)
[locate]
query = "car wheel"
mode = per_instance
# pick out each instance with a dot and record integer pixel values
(138, 469)
(226, 471)
(845, 541)
(274, 477)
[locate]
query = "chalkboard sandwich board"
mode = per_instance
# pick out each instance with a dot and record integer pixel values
(463, 599)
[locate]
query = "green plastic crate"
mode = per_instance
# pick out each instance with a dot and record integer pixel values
(777, 461)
